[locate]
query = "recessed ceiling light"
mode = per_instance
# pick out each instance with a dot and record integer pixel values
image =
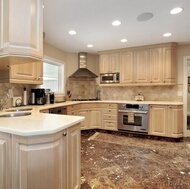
(145, 16)
(43, 6)
(167, 34)
(123, 40)
(176, 10)
(90, 46)
(116, 23)
(72, 32)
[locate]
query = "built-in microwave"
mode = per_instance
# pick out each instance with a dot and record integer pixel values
(109, 78)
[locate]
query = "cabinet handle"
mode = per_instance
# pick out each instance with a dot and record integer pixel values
(64, 134)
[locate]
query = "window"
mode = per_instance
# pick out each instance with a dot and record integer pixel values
(53, 75)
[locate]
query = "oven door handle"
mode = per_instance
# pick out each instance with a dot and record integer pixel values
(136, 112)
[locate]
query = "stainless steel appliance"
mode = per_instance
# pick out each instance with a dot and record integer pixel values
(109, 78)
(133, 117)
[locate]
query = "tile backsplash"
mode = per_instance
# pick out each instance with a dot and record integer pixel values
(82, 88)
(17, 91)
(150, 93)
(87, 88)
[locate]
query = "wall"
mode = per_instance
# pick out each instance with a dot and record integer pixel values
(182, 50)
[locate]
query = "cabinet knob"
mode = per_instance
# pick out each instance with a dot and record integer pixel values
(64, 134)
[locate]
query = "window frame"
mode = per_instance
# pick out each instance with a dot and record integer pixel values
(61, 72)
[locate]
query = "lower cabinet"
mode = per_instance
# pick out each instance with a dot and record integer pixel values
(92, 114)
(166, 120)
(109, 119)
(5, 161)
(42, 162)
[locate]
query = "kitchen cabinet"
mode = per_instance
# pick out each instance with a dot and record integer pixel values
(47, 161)
(141, 66)
(93, 115)
(127, 68)
(5, 161)
(29, 73)
(45, 111)
(166, 121)
(21, 31)
(109, 119)
(146, 65)
(73, 157)
(163, 65)
(73, 109)
(110, 63)
(156, 65)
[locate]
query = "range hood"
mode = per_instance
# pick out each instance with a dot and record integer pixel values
(83, 72)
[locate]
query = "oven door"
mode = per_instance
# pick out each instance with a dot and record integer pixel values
(140, 123)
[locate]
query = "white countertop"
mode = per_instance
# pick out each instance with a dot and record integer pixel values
(37, 123)
(42, 123)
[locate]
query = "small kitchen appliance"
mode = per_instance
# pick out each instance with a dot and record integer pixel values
(40, 98)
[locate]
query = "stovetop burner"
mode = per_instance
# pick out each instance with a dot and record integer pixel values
(85, 99)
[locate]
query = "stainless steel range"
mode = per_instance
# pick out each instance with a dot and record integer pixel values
(133, 117)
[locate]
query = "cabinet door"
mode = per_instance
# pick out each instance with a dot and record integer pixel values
(126, 65)
(175, 121)
(156, 65)
(74, 157)
(141, 66)
(104, 63)
(39, 162)
(114, 62)
(30, 73)
(85, 123)
(95, 118)
(5, 161)
(22, 35)
(158, 120)
(169, 62)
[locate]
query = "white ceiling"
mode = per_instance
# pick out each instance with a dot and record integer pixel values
(92, 19)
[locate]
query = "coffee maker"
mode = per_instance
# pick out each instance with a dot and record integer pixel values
(39, 96)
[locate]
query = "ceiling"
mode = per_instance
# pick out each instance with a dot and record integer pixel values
(92, 20)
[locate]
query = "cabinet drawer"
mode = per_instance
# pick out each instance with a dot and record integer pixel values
(72, 107)
(109, 117)
(110, 111)
(74, 112)
(110, 125)
(109, 105)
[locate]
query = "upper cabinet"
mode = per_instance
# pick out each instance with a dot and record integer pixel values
(146, 65)
(110, 63)
(29, 73)
(21, 31)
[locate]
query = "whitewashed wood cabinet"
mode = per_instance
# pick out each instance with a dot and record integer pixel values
(41, 162)
(21, 31)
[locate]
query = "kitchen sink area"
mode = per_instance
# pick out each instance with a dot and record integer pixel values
(19, 110)
(16, 114)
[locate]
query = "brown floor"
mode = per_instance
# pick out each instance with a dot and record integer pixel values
(112, 161)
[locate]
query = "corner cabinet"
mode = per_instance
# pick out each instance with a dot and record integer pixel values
(29, 73)
(45, 162)
(166, 121)
(21, 31)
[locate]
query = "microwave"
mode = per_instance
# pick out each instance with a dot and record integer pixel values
(109, 78)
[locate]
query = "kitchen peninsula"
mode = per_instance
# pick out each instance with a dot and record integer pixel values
(40, 151)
